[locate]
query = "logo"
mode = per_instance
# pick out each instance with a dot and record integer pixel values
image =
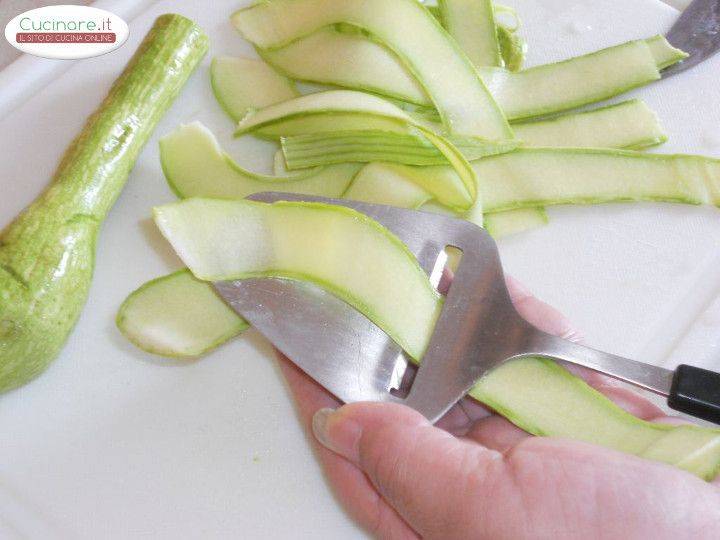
(66, 32)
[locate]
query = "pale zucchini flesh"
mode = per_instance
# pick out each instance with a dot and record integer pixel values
(240, 84)
(195, 165)
(572, 83)
(471, 23)
(498, 224)
(440, 182)
(528, 178)
(346, 63)
(406, 28)
(546, 176)
(664, 53)
(531, 178)
(629, 124)
(432, 194)
(511, 222)
(177, 315)
(331, 246)
(412, 187)
(376, 184)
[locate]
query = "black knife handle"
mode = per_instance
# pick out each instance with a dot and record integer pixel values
(696, 391)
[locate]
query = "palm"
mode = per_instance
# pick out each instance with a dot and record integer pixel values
(542, 487)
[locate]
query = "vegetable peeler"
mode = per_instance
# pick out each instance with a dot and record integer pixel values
(477, 330)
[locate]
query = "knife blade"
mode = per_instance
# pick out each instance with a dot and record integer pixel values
(697, 32)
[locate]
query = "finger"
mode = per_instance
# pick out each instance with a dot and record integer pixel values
(352, 488)
(309, 395)
(455, 421)
(550, 320)
(631, 401)
(496, 433)
(538, 313)
(419, 469)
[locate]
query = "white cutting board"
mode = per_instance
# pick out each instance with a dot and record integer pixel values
(112, 443)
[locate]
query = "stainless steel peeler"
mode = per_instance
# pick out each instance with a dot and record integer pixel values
(478, 328)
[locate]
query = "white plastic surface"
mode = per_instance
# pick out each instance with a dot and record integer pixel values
(112, 443)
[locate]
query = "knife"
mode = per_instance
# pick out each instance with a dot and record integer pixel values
(697, 32)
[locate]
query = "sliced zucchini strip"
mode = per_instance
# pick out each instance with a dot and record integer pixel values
(240, 84)
(517, 93)
(440, 182)
(471, 23)
(377, 184)
(337, 109)
(544, 89)
(177, 315)
(403, 26)
(331, 110)
(572, 83)
(665, 54)
(513, 48)
(321, 244)
(195, 165)
(630, 124)
(430, 180)
(546, 176)
(502, 224)
(309, 150)
(412, 187)
(536, 394)
(332, 246)
(535, 177)
(498, 224)
(349, 60)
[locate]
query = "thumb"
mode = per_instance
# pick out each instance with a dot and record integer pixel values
(445, 487)
(423, 472)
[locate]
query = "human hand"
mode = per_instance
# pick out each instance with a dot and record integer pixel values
(476, 475)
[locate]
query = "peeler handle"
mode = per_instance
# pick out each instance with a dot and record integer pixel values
(696, 391)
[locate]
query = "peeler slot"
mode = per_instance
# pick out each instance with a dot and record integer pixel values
(450, 257)
(402, 387)
(447, 260)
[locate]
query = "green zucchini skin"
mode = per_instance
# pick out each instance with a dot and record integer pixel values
(512, 48)
(47, 253)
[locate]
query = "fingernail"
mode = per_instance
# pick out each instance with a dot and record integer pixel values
(337, 433)
(519, 288)
(571, 334)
